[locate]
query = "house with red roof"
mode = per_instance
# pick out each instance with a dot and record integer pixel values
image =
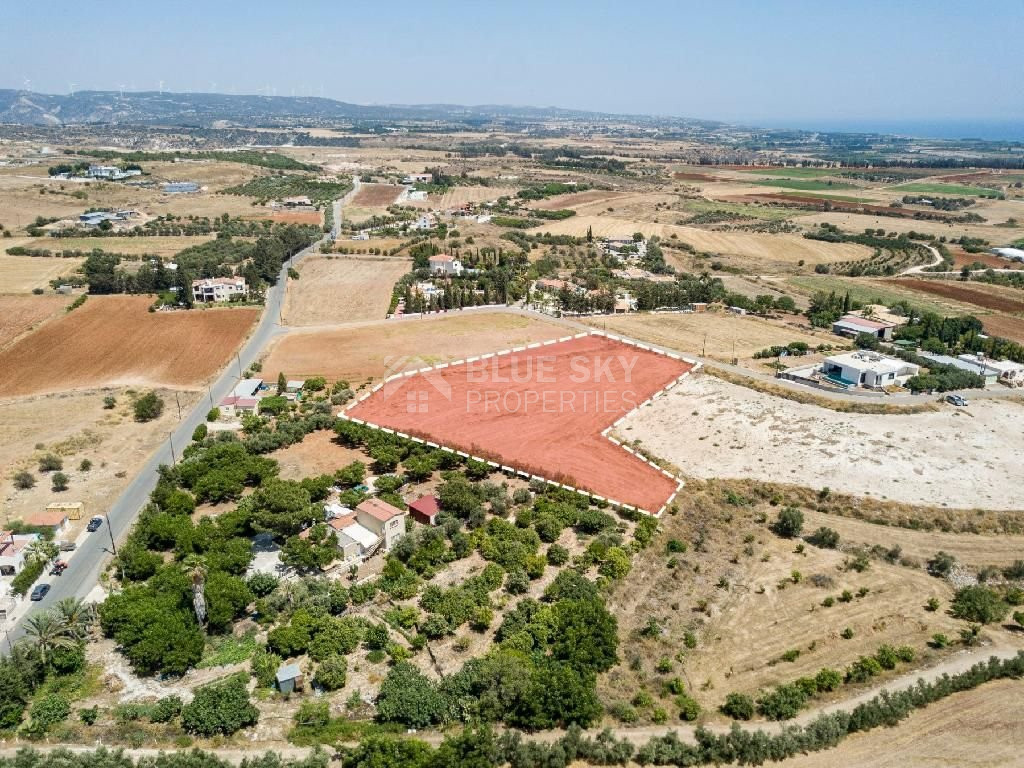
(424, 509)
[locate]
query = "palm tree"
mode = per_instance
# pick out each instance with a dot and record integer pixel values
(41, 551)
(76, 615)
(48, 633)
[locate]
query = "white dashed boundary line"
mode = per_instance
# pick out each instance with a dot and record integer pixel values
(512, 471)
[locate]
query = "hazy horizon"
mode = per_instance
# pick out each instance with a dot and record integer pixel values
(783, 64)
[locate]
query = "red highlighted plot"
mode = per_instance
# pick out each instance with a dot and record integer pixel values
(539, 410)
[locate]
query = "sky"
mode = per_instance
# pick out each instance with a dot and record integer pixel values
(772, 63)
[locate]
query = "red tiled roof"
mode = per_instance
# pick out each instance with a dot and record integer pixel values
(378, 509)
(426, 505)
(49, 517)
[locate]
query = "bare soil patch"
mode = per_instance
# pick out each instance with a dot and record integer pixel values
(335, 289)
(317, 454)
(19, 314)
(115, 341)
(574, 199)
(731, 431)
(357, 354)
(376, 195)
(578, 388)
(460, 196)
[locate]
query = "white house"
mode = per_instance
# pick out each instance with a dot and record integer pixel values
(219, 288)
(417, 194)
(426, 221)
(12, 551)
(867, 369)
(1007, 372)
(443, 264)
(414, 178)
(233, 407)
(385, 520)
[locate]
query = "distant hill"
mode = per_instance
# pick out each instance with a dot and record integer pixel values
(203, 109)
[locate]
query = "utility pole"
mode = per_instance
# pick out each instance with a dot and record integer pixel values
(179, 405)
(110, 532)
(238, 357)
(170, 440)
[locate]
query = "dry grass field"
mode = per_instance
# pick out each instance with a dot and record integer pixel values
(341, 289)
(748, 596)
(750, 245)
(19, 314)
(76, 426)
(712, 334)
(857, 222)
(975, 550)
(576, 200)
(358, 354)
(974, 729)
(21, 274)
(158, 246)
(115, 341)
(731, 431)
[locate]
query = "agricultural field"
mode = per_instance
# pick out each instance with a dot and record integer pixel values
(735, 432)
(752, 246)
(20, 314)
(995, 297)
(718, 336)
(1007, 326)
(456, 197)
(858, 222)
(809, 185)
(114, 341)
(23, 274)
(342, 289)
(877, 292)
(795, 173)
(157, 246)
(935, 188)
(360, 354)
(375, 195)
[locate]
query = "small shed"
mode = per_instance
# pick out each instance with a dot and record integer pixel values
(289, 678)
(424, 510)
(73, 509)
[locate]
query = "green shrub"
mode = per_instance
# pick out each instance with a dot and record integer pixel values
(738, 706)
(148, 407)
(689, 709)
(46, 711)
(978, 604)
(863, 669)
(332, 672)
(220, 708)
(24, 480)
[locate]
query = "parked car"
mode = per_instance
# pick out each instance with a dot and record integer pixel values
(956, 400)
(39, 592)
(58, 568)
(66, 546)
(94, 524)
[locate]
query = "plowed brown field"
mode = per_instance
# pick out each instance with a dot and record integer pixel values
(114, 340)
(376, 195)
(980, 296)
(21, 313)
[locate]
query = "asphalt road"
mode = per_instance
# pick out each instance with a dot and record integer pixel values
(89, 560)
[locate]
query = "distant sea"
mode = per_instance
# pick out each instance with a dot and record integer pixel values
(989, 130)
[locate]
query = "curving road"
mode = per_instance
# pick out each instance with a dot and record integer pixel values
(88, 561)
